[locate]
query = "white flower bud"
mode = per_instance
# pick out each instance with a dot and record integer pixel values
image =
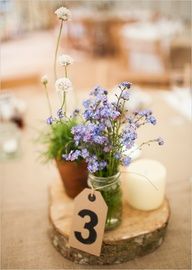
(63, 85)
(65, 60)
(63, 13)
(44, 79)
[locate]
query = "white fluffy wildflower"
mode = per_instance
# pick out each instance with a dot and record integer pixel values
(63, 13)
(63, 84)
(65, 60)
(44, 79)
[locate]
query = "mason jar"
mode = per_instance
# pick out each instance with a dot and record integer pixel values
(110, 189)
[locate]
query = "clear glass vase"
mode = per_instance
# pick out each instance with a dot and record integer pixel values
(110, 189)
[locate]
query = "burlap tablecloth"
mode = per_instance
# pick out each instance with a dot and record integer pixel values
(25, 243)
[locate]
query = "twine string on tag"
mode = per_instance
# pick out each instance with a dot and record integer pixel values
(93, 189)
(142, 176)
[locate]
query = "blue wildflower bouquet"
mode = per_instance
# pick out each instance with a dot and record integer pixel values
(108, 131)
(103, 139)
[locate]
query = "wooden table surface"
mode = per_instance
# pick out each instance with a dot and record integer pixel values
(24, 194)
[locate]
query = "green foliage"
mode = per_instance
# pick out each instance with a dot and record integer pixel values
(58, 139)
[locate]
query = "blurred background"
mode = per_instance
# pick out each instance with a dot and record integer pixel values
(146, 42)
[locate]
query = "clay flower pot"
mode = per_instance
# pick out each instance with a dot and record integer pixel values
(74, 176)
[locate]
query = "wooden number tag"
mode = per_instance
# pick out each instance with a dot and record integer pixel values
(88, 222)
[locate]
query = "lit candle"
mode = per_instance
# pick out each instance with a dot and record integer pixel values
(144, 186)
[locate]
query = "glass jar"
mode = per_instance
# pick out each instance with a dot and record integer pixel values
(110, 189)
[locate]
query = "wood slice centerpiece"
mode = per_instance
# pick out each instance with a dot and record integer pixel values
(140, 232)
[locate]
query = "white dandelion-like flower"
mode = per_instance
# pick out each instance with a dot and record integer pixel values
(63, 85)
(65, 60)
(63, 13)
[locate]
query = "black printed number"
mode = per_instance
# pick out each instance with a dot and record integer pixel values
(89, 226)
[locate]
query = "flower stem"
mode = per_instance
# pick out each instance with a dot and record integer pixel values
(64, 103)
(64, 95)
(56, 50)
(65, 111)
(66, 71)
(119, 98)
(48, 99)
(141, 145)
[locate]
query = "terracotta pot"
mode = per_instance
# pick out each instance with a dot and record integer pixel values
(74, 176)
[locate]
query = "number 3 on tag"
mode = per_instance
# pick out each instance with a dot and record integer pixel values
(88, 222)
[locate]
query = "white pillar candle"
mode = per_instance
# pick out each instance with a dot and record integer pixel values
(145, 184)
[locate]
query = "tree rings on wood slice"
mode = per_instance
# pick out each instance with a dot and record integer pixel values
(140, 232)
